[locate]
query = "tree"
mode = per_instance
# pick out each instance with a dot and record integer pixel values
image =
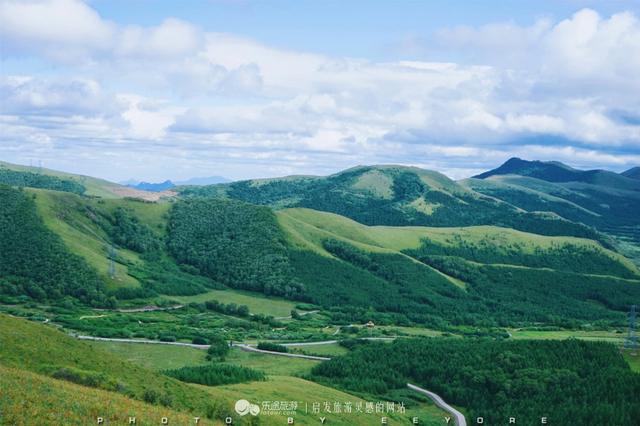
(219, 348)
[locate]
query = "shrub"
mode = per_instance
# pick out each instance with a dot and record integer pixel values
(219, 348)
(273, 347)
(216, 374)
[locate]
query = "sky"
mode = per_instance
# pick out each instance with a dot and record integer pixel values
(156, 89)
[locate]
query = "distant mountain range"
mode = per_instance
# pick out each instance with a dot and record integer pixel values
(168, 184)
(633, 173)
(554, 171)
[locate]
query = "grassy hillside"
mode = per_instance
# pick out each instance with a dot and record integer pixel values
(608, 206)
(392, 195)
(70, 217)
(308, 228)
(32, 354)
(282, 384)
(28, 398)
(94, 187)
(547, 277)
(406, 275)
(47, 351)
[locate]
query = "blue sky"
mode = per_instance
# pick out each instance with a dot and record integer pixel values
(163, 89)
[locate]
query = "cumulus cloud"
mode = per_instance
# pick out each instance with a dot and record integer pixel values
(194, 95)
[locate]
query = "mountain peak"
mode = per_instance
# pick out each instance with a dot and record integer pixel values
(633, 173)
(555, 171)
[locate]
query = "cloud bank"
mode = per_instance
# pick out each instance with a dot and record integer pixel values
(128, 100)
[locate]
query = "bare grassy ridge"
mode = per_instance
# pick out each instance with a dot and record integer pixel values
(44, 350)
(29, 399)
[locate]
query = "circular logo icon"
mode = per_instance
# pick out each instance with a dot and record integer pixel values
(254, 410)
(243, 407)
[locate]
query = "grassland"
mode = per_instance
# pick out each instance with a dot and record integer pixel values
(256, 303)
(609, 336)
(61, 214)
(154, 357)
(95, 187)
(29, 399)
(329, 350)
(376, 183)
(271, 365)
(283, 388)
(45, 350)
(307, 228)
(633, 360)
(105, 356)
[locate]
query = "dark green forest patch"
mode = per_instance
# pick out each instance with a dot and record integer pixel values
(34, 261)
(570, 382)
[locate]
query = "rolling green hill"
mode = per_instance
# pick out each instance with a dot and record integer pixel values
(93, 186)
(468, 275)
(436, 276)
(34, 261)
(405, 248)
(426, 275)
(395, 196)
(604, 200)
(39, 177)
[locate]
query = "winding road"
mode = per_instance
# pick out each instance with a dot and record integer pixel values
(457, 416)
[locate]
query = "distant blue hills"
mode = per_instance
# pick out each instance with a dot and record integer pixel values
(168, 184)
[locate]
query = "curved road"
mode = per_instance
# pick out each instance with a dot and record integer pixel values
(248, 348)
(457, 416)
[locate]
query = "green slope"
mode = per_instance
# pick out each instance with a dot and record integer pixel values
(35, 261)
(307, 228)
(610, 208)
(47, 351)
(29, 398)
(31, 354)
(395, 196)
(508, 276)
(94, 187)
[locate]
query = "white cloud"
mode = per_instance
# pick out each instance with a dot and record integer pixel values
(192, 94)
(64, 29)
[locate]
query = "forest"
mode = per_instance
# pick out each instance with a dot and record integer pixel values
(402, 290)
(234, 243)
(570, 382)
(35, 262)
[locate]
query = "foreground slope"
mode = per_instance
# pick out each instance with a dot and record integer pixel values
(29, 398)
(46, 351)
(48, 376)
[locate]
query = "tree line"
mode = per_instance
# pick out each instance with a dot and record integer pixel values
(570, 382)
